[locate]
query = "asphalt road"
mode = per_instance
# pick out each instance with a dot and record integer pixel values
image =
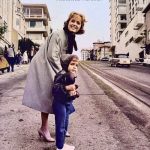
(97, 124)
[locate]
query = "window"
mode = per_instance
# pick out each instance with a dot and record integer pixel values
(132, 2)
(130, 15)
(149, 35)
(32, 24)
(126, 44)
(26, 11)
(36, 12)
(126, 33)
(17, 22)
(133, 11)
(131, 39)
(136, 6)
(123, 25)
(37, 24)
(122, 1)
(123, 17)
(130, 6)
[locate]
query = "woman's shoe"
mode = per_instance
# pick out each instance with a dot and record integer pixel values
(45, 136)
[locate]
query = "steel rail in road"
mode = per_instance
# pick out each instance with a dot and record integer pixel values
(145, 99)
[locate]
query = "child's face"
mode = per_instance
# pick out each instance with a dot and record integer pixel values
(74, 24)
(73, 66)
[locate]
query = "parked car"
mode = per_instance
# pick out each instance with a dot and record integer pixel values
(4, 65)
(104, 59)
(146, 62)
(140, 60)
(120, 60)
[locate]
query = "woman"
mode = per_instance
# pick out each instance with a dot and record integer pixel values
(45, 64)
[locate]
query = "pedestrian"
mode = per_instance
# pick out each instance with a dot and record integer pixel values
(64, 92)
(6, 53)
(44, 66)
(18, 58)
(25, 58)
(31, 53)
(11, 56)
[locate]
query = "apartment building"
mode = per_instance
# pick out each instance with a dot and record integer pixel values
(11, 16)
(127, 27)
(37, 20)
(100, 49)
(147, 29)
(85, 54)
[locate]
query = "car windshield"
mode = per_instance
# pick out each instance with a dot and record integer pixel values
(122, 56)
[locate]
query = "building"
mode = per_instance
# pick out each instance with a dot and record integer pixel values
(85, 54)
(101, 50)
(12, 18)
(147, 29)
(37, 20)
(127, 27)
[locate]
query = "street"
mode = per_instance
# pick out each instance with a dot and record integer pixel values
(97, 124)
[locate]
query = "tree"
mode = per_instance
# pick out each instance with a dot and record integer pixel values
(3, 29)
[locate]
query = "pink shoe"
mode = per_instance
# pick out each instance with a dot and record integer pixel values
(45, 136)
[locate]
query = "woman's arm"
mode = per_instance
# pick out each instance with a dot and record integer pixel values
(54, 51)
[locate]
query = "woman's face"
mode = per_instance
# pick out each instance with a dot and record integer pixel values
(73, 66)
(74, 24)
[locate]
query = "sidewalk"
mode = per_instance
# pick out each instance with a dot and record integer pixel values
(18, 71)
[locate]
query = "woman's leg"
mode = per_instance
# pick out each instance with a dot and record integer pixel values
(44, 119)
(44, 131)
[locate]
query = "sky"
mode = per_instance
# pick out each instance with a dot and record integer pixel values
(96, 13)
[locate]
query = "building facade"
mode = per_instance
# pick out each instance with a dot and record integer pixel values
(127, 27)
(99, 51)
(85, 54)
(147, 29)
(11, 16)
(37, 20)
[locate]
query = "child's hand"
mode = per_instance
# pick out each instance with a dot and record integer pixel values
(72, 93)
(70, 87)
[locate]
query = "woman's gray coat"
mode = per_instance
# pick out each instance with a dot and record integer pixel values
(44, 66)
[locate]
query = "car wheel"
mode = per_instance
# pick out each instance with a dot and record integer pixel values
(2, 70)
(8, 69)
(144, 64)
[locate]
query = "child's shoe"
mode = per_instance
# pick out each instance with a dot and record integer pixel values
(67, 134)
(67, 147)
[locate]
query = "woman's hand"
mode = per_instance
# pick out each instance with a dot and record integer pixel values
(70, 87)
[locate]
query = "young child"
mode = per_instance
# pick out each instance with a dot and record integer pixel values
(64, 92)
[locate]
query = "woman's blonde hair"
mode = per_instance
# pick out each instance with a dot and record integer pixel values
(72, 14)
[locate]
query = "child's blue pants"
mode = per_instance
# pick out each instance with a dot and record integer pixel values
(61, 122)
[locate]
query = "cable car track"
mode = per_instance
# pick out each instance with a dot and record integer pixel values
(139, 91)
